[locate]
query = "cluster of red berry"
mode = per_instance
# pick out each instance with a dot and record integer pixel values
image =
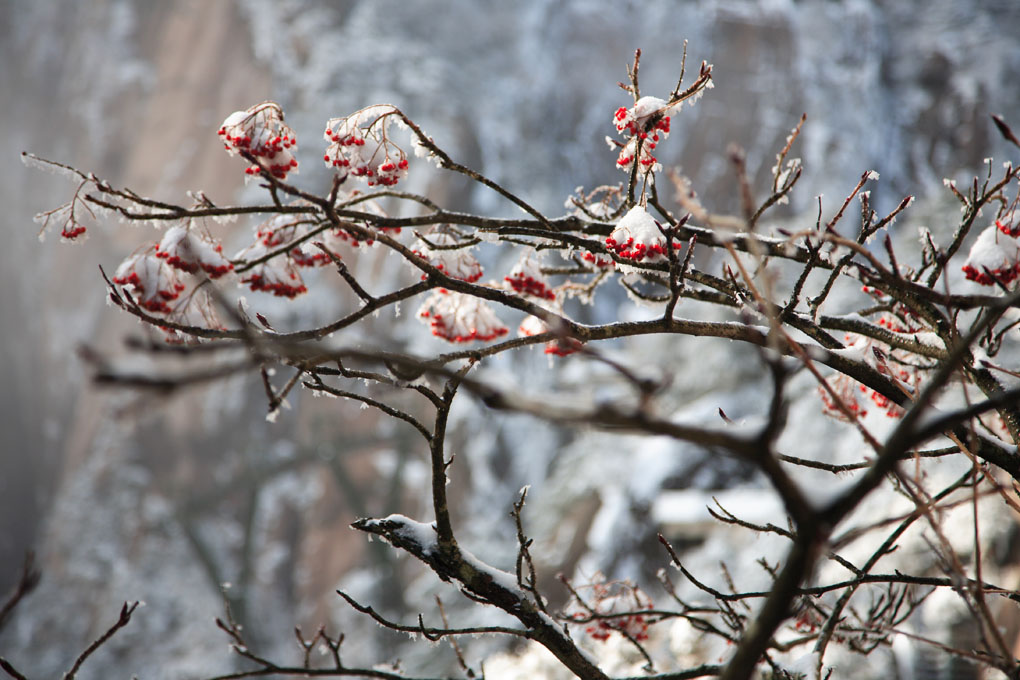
(460, 318)
(847, 399)
(189, 251)
(1008, 227)
(597, 260)
(288, 286)
(152, 282)
(994, 259)
(526, 284)
(71, 230)
(616, 607)
(360, 146)
(638, 236)
(646, 125)
(260, 133)
(638, 251)
(450, 255)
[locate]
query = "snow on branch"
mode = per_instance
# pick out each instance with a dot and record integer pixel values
(906, 343)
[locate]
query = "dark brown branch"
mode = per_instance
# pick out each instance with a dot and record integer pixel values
(1005, 130)
(432, 633)
(9, 668)
(439, 464)
(486, 585)
(319, 386)
(27, 582)
(125, 617)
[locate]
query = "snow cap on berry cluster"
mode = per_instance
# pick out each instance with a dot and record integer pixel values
(994, 257)
(281, 230)
(636, 119)
(527, 278)
(190, 250)
(638, 237)
(460, 318)
(446, 256)
(360, 146)
(646, 122)
(152, 282)
(278, 275)
(561, 347)
(261, 132)
(308, 254)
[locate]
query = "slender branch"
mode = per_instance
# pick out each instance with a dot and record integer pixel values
(122, 620)
(9, 668)
(27, 582)
(437, 454)
(432, 633)
(319, 386)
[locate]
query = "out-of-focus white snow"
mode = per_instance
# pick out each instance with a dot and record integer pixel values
(686, 512)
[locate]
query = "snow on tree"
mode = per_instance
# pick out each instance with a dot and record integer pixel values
(898, 346)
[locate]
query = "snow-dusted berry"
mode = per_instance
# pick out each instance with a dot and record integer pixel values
(354, 239)
(189, 250)
(260, 132)
(884, 359)
(338, 241)
(447, 253)
(532, 325)
(68, 216)
(1008, 227)
(597, 260)
(283, 229)
(360, 145)
(527, 278)
(644, 116)
(645, 125)
(278, 275)
(902, 321)
(71, 230)
(561, 347)
(844, 387)
(197, 310)
(307, 254)
(613, 606)
(460, 318)
(628, 151)
(152, 283)
(994, 257)
(638, 236)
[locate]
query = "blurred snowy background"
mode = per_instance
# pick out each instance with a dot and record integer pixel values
(180, 496)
